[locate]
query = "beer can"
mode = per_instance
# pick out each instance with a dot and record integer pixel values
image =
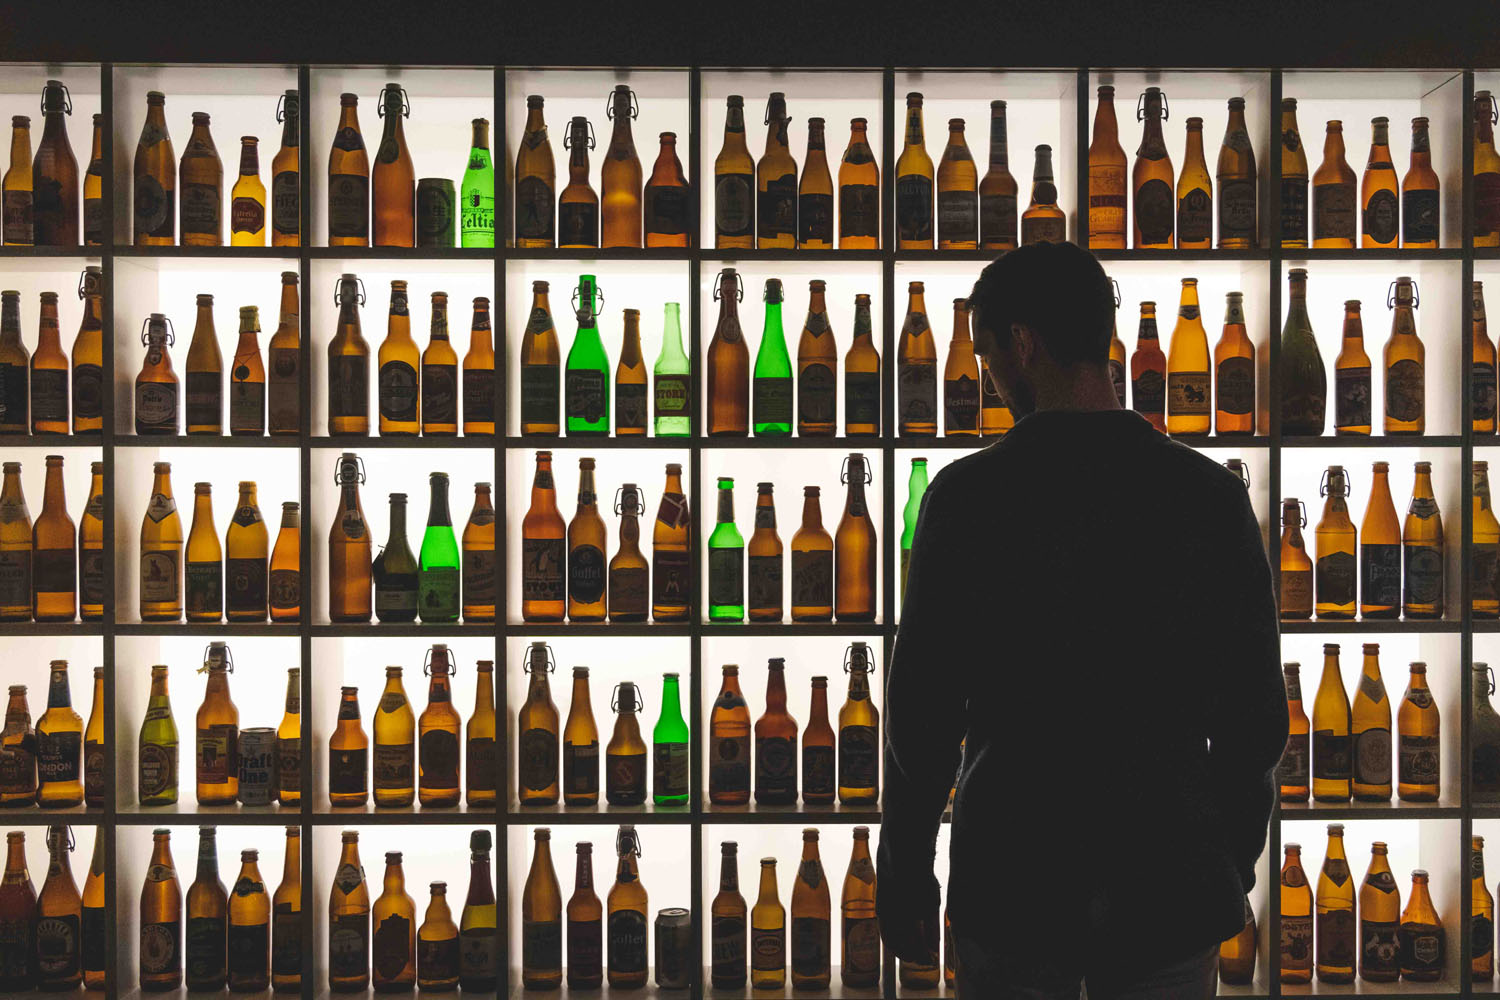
(674, 948)
(257, 766)
(435, 212)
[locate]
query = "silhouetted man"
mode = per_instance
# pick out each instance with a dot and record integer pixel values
(1089, 609)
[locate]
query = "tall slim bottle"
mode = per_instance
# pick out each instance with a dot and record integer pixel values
(669, 748)
(348, 182)
(620, 176)
(59, 745)
(286, 918)
(348, 364)
(580, 749)
(1334, 217)
(914, 184)
(247, 199)
(586, 388)
(1195, 194)
(541, 919)
(665, 198)
(1379, 207)
(771, 396)
(54, 557)
(1304, 382)
(815, 193)
(477, 193)
(1334, 572)
(1405, 364)
(157, 750)
(1151, 190)
(627, 908)
(398, 388)
(88, 356)
(1335, 932)
(161, 916)
(478, 379)
(350, 575)
(541, 362)
(161, 551)
(670, 535)
(286, 175)
(49, 373)
(536, 181)
(672, 384)
(957, 193)
(728, 364)
(817, 369)
(862, 376)
(480, 765)
(859, 191)
(997, 189)
(1422, 557)
(476, 928)
(776, 182)
(916, 371)
(349, 921)
(393, 182)
(631, 410)
(727, 933)
(438, 729)
(54, 173)
(439, 405)
(207, 904)
(1293, 221)
(734, 183)
(1236, 176)
(585, 930)
(1188, 380)
(1148, 371)
(578, 205)
(18, 228)
(1296, 914)
(1332, 746)
(1106, 208)
(204, 410)
(200, 182)
(767, 933)
(1421, 209)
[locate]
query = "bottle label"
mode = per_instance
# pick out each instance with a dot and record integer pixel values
(666, 208)
(289, 766)
(586, 574)
(861, 949)
(439, 756)
(92, 939)
(1424, 574)
(810, 946)
(1417, 760)
(245, 585)
(1380, 575)
(439, 394)
(630, 406)
(281, 388)
(859, 211)
(158, 769)
(627, 941)
(1236, 386)
(248, 947)
(348, 206)
(349, 386)
(1333, 211)
(812, 578)
(153, 206)
(286, 942)
(478, 578)
(398, 391)
(349, 946)
(815, 219)
(1372, 757)
(734, 207)
(625, 782)
(672, 395)
(1153, 204)
(726, 577)
(861, 398)
(542, 569)
(578, 224)
(1187, 394)
(1296, 942)
(1195, 216)
(1422, 948)
(13, 389)
(52, 571)
(768, 949)
(161, 948)
(817, 389)
(729, 764)
(1482, 381)
(1486, 203)
(49, 395)
(818, 774)
(958, 216)
(19, 230)
(961, 403)
(1148, 393)
(914, 208)
(538, 751)
(57, 947)
(285, 203)
(1335, 938)
(88, 392)
(775, 769)
(396, 596)
(1294, 208)
(1331, 756)
(1292, 770)
(395, 765)
(1381, 216)
(15, 579)
(285, 590)
(916, 395)
(246, 215)
(1405, 391)
(859, 757)
(771, 400)
(539, 394)
(581, 769)
(765, 583)
(1237, 215)
(997, 221)
(669, 581)
(156, 407)
(207, 958)
(59, 757)
(218, 754)
(247, 404)
(533, 209)
(1106, 203)
(727, 948)
(1334, 579)
(585, 947)
(1484, 565)
(199, 205)
(777, 207)
(670, 770)
(1351, 397)
(479, 764)
(586, 395)
(1420, 214)
(347, 771)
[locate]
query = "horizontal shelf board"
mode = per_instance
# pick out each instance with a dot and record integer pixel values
(1486, 625)
(219, 253)
(9, 441)
(842, 442)
(601, 812)
(337, 630)
(799, 814)
(51, 628)
(1407, 991)
(354, 442)
(1394, 809)
(81, 253)
(191, 812)
(1374, 441)
(370, 816)
(564, 254)
(795, 628)
(576, 629)
(207, 628)
(1358, 625)
(1292, 255)
(291, 441)
(1485, 810)
(30, 815)
(835, 989)
(557, 442)
(1258, 253)
(717, 255)
(402, 253)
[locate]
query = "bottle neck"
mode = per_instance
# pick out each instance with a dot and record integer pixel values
(726, 506)
(583, 877)
(999, 143)
(776, 692)
(249, 160)
(812, 513)
(20, 149)
(729, 874)
(58, 693)
(437, 513)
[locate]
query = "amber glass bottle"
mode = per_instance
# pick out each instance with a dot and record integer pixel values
(349, 921)
(1148, 371)
(1188, 379)
(348, 181)
(161, 551)
(1379, 207)
(350, 576)
(728, 364)
(1195, 194)
(348, 755)
(394, 763)
(914, 184)
(1106, 208)
(541, 919)
(1334, 571)
(1151, 188)
(859, 192)
(620, 176)
(1293, 776)
(665, 198)
(54, 555)
(536, 181)
(1405, 361)
(537, 733)
(1332, 748)
(438, 738)
(200, 188)
(1335, 932)
(578, 205)
(393, 181)
(161, 919)
(1296, 912)
(1422, 552)
(1333, 195)
(580, 749)
(1418, 762)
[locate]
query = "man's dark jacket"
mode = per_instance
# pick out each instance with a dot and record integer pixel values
(1090, 605)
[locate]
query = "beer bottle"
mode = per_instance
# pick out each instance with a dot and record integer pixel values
(1379, 210)
(155, 177)
(160, 948)
(859, 192)
(1380, 551)
(92, 934)
(734, 183)
(1151, 177)
(819, 756)
(543, 549)
(916, 369)
(856, 553)
(767, 933)
(19, 230)
(396, 570)
(585, 916)
(478, 378)
(538, 732)
(1417, 725)
(18, 774)
(627, 907)
(477, 559)
(54, 173)
(817, 370)
(201, 188)
(578, 205)
(669, 551)
(726, 561)
(625, 754)
(15, 548)
(59, 745)
(586, 383)
(620, 176)
(1335, 908)
(1334, 572)
(536, 180)
(587, 541)
(580, 748)
(728, 364)
(1371, 728)
(914, 184)
(1420, 205)
(156, 384)
(217, 732)
(349, 920)
(249, 928)
(1187, 367)
(629, 589)
(1304, 392)
(990, 401)
(1234, 371)
(961, 378)
(1422, 550)
(862, 376)
(93, 748)
(1332, 748)
(776, 743)
(1195, 194)
(289, 742)
(393, 183)
(859, 734)
(1235, 173)
(771, 402)
(49, 373)
(1296, 902)
(205, 374)
(93, 193)
(350, 568)
(476, 927)
(859, 931)
(1484, 565)
(54, 592)
(812, 563)
(438, 597)
(631, 413)
(477, 218)
(400, 405)
(997, 189)
(1148, 371)
(395, 762)
(727, 920)
(348, 364)
(1484, 740)
(776, 182)
(437, 943)
(1043, 221)
(666, 198)
(1333, 194)
(437, 738)
(815, 193)
(729, 743)
(1106, 210)
(439, 398)
(1423, 940)
(88, 356)
(286, 176)
(811, 919)
(1292, 775)
(247, 379)
(91, 549)
(1351, 377)
(1486, 173)
(916, 488)
(207, 904)
(58, 916)
(957, 195)
(245, 558)
(765, 560)
(348, 756)
(285, 575)
(1481, 917)
(672, 383)
(1482, 374)
(1293, 178)
(157, 749)
(540, 361)
(1404, 363)
(393, 939)
(14, 365)
(161, 551)
(669, 748)
(479, 739)
(1237, 953)
(247, 199)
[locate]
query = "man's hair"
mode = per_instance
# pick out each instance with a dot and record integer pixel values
(1059, 291)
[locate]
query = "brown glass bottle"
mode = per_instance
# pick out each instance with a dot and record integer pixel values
(671, 581)
(856, 553)
(541, 920)
(1296, 912)
(625, 754)
(544, 550)
(914, 184)
(348, 756)
(49, 373)
(1234, 371)
(1239, 216)
(1293, 221)
(957, 194)
(1333, 195)
(1405, 361)
(348, 180)
(620, 176)
(161, 552)
(1296, 587)
(815, 193)
(819, 753)
(997, 188)
(1043, 221)
(18, 776)
(734, 183)
(286, 919)
(536, 181)
(578, 205)
(91, 549)
(859, 192)
(349, 921)
(161, 918)
(585, 930)
(54, 173)
(1195, 195)
(666, 197)
(156, 387)
(764, 553)
(18, 193)
(811, 918)
(1106, 207)
(207, 906)
(350, 574)
(776, 182)
(88, 356)
(580, 746)
(728, 364)
(817, 369)
(393, 937)
(393, 180)
(537, 733)
(59, 745)
(1148, 371)
(1334, 570)
(627, 907)
(629, 588)
(1151, 189)
(200, 188)
(776, 743)
(1293, 775)
(54, 556)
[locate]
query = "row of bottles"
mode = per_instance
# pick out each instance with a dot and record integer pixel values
(1345, 751)
(1386, 569)
(53, 940)
(36, 387)
(50, 570)
(59, 762)
(41, 193)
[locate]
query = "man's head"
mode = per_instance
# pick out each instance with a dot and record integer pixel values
(1043, 316)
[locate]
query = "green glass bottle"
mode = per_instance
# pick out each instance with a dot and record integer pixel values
(477, 213)
(669, 748)
(915, 487)
(395, 570)
(437, 575)
(771, 393)
(157, 752)
(673, 383)
(726, 562)
(1304, 382)
(586, 379)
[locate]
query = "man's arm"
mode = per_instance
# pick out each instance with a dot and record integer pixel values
(925, 699)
